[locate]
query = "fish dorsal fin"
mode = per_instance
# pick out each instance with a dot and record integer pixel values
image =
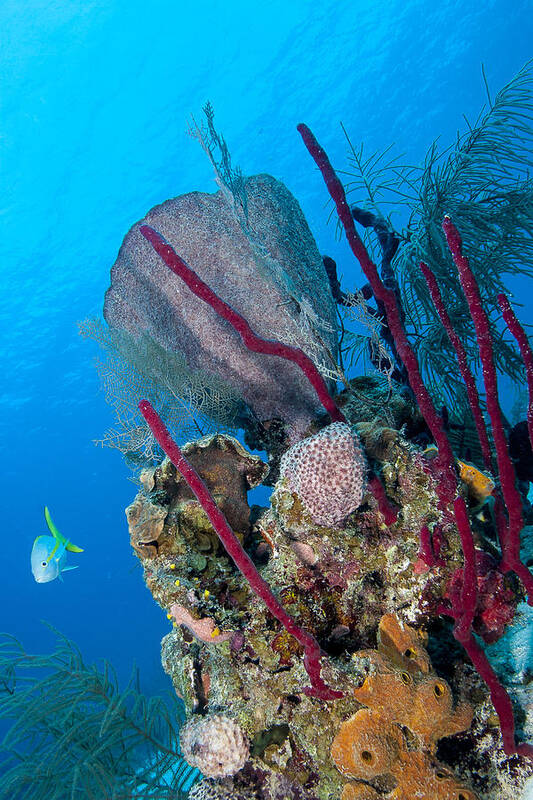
(51, 527)
(59, 536)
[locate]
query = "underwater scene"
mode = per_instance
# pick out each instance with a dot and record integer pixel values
(267, 400)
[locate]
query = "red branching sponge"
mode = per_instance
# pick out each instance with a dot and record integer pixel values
(428, 553)
(312, 652)
(525, 351)
(508, 532)
(328, 473)
(466, 604)
(466, 373)
(445, 460)
(496, 603)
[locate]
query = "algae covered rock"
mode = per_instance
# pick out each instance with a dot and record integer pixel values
(361, 587)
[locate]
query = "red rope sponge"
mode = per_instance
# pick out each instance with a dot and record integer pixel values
(509, 533)
(312, 652)
(464, 614)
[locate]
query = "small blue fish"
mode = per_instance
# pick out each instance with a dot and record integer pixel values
(48, 555)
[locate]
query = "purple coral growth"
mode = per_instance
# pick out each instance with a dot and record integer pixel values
(251, 340)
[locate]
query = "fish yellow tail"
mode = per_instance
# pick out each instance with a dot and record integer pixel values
(55, 533)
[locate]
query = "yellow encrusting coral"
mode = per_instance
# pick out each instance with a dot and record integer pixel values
(401, 685)
(400, 691)
(370, 748)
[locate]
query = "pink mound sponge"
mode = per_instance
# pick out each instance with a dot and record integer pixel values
(328, 473)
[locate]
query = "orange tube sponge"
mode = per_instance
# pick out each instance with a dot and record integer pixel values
(359, 791)
(400, 688)
(418, 776)
(424, 704)
(401, 685)
(366, 745)
(403, 645)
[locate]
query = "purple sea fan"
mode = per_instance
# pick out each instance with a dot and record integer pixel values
(269, 271)
(328, 473)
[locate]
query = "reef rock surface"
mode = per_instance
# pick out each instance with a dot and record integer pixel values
(368, 592)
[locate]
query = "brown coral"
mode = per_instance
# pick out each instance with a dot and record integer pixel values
(328, 473)
(369, 747)
(400, 683)
(145, 522)
(227, 468)
(400, 689)
(229, 471)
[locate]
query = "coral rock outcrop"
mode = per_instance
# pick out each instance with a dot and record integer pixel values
(227, 655)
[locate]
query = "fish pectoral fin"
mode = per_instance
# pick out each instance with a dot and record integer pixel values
(74, 548)
(58, 553)
(66, 569)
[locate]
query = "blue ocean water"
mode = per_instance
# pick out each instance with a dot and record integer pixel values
(96, 98)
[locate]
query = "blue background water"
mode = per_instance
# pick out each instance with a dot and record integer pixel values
(95, 99)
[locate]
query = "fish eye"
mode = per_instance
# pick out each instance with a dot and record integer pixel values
(43, 563)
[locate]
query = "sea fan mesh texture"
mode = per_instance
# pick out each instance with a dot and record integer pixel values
(327, 472)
